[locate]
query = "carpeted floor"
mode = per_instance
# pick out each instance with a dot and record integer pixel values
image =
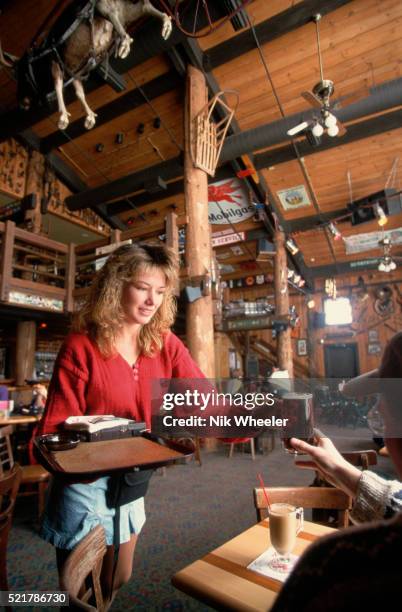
(190, 511)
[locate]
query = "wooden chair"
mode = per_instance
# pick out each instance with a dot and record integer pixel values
(243, 441)
(9, 483)
(361, 459)
(80, 575)
(31, 474)
(305, 497)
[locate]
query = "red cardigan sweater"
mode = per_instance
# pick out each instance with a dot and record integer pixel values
(84, 382)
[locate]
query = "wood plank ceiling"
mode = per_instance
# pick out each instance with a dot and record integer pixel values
(361, 50)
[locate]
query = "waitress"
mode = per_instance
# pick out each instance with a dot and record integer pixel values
(121, 340)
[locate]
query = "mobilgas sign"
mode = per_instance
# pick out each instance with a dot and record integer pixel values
(228, 202)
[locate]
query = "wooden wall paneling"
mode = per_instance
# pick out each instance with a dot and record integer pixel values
(364, 317)
(13, 165)
(35, 185)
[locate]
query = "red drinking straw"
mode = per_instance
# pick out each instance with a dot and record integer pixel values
(264, 491)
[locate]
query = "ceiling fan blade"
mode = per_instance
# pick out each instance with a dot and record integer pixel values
(312, 99)
(351, 98)
(298, 128)
(342, 129)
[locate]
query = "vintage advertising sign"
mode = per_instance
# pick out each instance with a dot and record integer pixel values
(294, 197)
(228, 239)
(38, 301)
(228, 202)
(368, 241)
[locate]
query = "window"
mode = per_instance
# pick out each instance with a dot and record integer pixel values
(338, 312)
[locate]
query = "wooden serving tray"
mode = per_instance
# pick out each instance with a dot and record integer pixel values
(101, 458)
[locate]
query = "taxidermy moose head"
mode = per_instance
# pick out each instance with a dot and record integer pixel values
(85, 34)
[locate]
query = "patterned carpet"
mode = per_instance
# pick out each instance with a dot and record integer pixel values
(190, 511)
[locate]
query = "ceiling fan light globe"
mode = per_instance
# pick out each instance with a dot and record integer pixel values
(330, 120)
(333, 130)
(317, 130)
(392, 265)
(381, 266)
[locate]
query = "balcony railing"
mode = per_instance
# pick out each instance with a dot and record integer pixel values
(40, 273)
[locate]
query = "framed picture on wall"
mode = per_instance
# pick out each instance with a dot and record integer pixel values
(373, 335)
(302, 347)
(374, 348)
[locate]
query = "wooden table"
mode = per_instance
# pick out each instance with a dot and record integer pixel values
(19, 420)
(221, 578)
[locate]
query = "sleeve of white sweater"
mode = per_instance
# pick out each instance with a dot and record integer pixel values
(376, 498)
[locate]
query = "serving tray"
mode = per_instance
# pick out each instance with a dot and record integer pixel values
(104, 457)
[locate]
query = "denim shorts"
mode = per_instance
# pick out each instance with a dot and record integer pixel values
(73, 510)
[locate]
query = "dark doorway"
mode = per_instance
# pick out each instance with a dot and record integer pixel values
(341, 361)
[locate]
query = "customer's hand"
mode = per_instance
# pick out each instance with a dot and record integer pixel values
(40, 395)
(328, 461)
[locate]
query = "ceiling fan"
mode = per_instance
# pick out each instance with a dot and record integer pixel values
(319, 98)
(388, 262)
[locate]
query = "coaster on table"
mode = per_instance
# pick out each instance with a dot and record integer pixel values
(261, 566)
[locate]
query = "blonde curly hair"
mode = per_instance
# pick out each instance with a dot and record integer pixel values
(102, 314)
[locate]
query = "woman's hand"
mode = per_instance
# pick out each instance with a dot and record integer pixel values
(330, 463)
(40, 395)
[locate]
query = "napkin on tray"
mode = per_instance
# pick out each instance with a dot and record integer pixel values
(261, 566)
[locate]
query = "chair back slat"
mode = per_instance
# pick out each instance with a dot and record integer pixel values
(361, 459)
(328, 498)
(6, 451)
(82, 569)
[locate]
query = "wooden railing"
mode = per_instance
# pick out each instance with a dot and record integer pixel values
(40, 273)
(36, 272)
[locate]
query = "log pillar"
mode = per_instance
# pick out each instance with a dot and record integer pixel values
(284, 343)
(199, 316)
(25, 351)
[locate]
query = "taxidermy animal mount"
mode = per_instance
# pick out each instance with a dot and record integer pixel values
(85, 34)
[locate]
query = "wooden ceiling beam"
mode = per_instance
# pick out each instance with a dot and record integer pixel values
(346, 267)
(125, 185)
(278, 25)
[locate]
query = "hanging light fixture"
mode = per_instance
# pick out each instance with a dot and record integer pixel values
(317, 130)
(334, 231)
(382, 218)
(292, 246)
(330, 288)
